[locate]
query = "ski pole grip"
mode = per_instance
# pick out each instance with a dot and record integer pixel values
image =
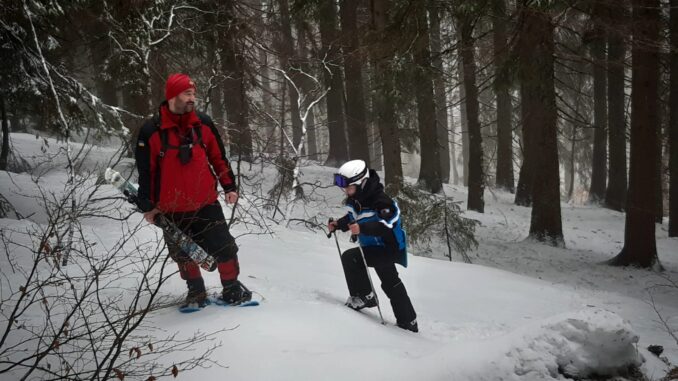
(329, 233)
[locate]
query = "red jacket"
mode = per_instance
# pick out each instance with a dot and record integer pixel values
(167, 184)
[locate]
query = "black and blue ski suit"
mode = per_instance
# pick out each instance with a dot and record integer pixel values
(383, 242)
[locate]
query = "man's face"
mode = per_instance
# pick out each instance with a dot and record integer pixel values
(184, 102)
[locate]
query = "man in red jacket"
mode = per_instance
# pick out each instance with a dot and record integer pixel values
(180, 158)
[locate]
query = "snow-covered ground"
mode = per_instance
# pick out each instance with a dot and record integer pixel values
(521, 311)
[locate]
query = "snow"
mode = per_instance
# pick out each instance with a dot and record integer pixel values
(522, 311)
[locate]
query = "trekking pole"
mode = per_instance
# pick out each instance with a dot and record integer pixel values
(354, 238)
(329, 234)
(336, 240)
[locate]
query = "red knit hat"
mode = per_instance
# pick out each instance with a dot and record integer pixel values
(177, 84)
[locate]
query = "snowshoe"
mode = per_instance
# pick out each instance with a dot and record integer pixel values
(194, 302)
(235, 294)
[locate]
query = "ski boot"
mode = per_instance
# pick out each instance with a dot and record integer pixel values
(195, 300)
(360, 302)
(411, 326)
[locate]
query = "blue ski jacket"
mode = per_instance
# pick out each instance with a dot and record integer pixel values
(379, 218)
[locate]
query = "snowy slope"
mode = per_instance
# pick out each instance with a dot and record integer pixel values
(523, 311)
(476, 322)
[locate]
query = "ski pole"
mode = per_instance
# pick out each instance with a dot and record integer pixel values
(336, 240)
(354, 238)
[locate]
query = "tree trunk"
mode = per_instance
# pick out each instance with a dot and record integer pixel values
(384, 77)
(266, 89)
(235, 92)
(673, 123)
(475, 162)
(640, 247)
(599, 165)
(442, 125)
(539, 116)
(574, 125)
(215, 95)
(327, 18)
(377, 158)
(526, 174)
(659, 201)
(136, 99)
(99, 52)
(429, 171)
(217, 106)
(338, 149)
(356, 124)
(4, 153)
(464, 118)
(453, 147)
(374, 138)
(573, 146)
(159, 76)
(15, 122)
(615, 197)
(501, 86)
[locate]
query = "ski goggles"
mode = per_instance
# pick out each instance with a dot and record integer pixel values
(343, 182)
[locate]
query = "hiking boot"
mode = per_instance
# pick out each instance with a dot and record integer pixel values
(195, 299)
(360, 302)
(235, 293)
(411, 326)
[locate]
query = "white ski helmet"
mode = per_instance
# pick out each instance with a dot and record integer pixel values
(352, 172)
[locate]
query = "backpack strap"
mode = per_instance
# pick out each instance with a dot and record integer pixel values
(204, 120)
(164, 145)
(198, 132)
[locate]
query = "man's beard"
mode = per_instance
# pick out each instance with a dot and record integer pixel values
(188, 107)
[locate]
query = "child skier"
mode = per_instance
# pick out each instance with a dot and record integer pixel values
(375, 218)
